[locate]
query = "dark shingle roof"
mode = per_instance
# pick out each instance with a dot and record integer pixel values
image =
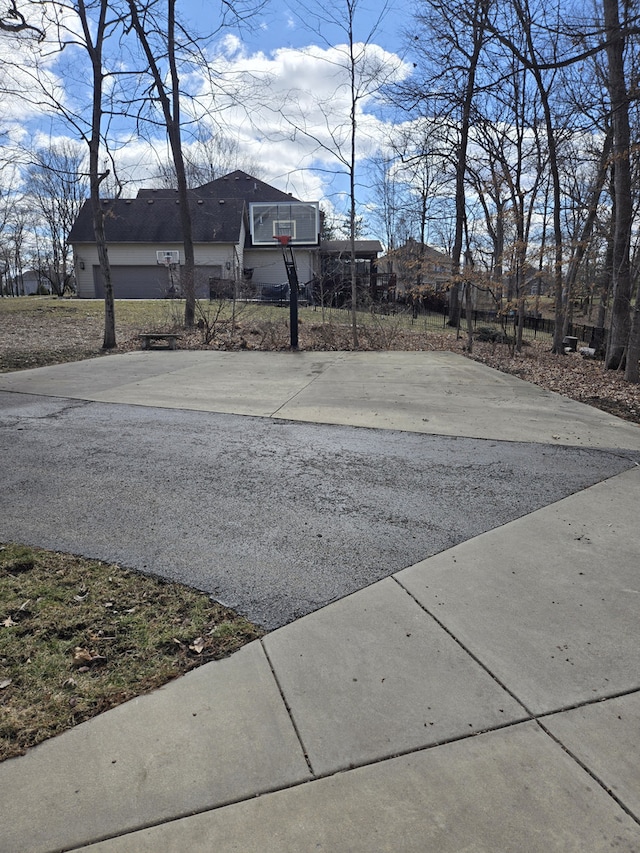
(216, 209)
(240, 185)
(157, 220)
(236, 184)
(364, 248)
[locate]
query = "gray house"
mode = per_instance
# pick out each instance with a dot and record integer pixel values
(234, 221)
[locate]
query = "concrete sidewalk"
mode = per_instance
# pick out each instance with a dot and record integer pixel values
(485, 699)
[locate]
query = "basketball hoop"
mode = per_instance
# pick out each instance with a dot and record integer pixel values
(168, 258)
(283, 239)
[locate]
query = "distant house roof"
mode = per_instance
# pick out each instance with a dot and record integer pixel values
(364, 248)
(412, 248)
(217, 211)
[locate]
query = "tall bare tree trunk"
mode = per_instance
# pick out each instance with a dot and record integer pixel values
(94, 49)
(169, 97)
(632, 368)
(479, 24)
(619, 103)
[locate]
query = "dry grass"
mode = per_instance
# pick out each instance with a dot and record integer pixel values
(78, 637)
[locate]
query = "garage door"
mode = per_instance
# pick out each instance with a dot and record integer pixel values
(151, 282)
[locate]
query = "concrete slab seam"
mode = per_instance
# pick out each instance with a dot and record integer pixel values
(98, 839)
(382, 760)
(530, 714)
(616, 694)
(537, 718)
(290, 786)
(586, 768)
(475, 658)
(297, 394)
(289, 711)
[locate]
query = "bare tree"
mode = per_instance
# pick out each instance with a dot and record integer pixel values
(422, 171)
(586, 215)
(56, 186)
(207, 156)
(9, 200)
(362, 72)
(621, 146)
(96, 25)
(12, 20)
(167, 90)
(87, 25)
(448, 48)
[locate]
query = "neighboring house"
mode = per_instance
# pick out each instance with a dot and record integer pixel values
(417, 265)
(539, 282)
(234, 222)
(28, 283)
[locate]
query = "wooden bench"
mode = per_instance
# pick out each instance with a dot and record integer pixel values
(158, 337)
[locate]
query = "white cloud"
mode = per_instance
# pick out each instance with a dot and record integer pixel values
(291, 108)
(287, 110)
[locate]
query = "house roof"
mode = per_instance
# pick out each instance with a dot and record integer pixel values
(364, 248)
(217, 211)
(236, 184)
(155, 220)
(412, 248)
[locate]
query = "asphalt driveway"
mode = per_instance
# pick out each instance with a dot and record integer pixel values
(273, 517)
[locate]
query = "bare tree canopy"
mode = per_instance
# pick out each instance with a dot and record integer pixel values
(13, 21)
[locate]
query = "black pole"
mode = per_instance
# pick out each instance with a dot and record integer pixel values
(293, 312)
(292, 276)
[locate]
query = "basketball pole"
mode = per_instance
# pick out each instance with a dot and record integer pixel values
(292, 276)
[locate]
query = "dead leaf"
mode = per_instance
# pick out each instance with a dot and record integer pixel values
(8, 622)
(5, 683)
(81, 656)
(70, 682)
(24, 604)
(197, 646)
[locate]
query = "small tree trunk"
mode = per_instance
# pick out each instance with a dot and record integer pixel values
(468, 311)
(632, 367)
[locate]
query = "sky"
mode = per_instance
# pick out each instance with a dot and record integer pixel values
(288, 61)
